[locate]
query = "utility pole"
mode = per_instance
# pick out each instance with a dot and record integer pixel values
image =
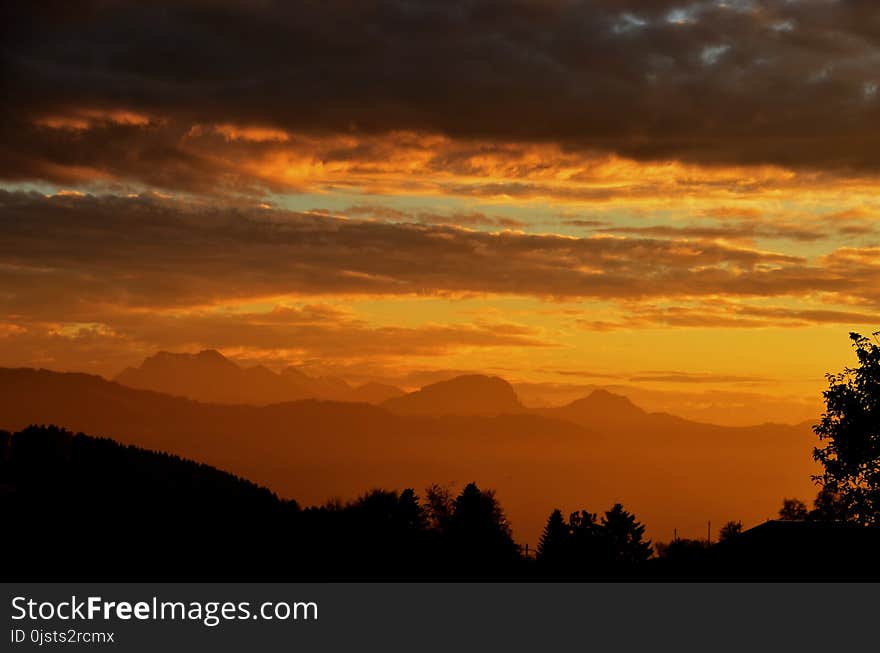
(709, 533)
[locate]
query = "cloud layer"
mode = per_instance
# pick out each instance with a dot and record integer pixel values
(147, 252)
(614, 164)
(787, 83)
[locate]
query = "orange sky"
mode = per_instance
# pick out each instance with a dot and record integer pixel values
(680, 202)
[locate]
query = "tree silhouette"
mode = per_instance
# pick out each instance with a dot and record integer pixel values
(682, 550)
(439, 507)
(828, 505)
(623, 537)
(589, 550)
(585, 547)
(793, 510)
(850, 431)
(478, 531)
(730, 530)
(410, 512)
(554, 547)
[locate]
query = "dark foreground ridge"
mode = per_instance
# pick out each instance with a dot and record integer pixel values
(79, 507)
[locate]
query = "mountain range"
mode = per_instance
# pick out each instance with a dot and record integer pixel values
(209, 376)
(591, 453)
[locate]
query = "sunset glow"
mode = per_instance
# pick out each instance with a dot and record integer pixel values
(679, 203)
(549, 266)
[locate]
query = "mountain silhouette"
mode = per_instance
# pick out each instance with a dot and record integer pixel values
(472, 394)
(210, 376)
(372, 392)
(312, 449)
(600, 407)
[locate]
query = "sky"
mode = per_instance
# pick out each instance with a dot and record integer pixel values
(676, 198)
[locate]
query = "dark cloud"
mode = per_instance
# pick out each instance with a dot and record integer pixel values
(587, 374)
(459, 218)
(693, 377)
(67, 254)
(749, 225)
(731, 232)
(791, 83)
(588, 224)
(722, 313)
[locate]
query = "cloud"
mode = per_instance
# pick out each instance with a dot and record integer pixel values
(70, 253)
(588, 224)
(303, 332)
(588, 374)
(722, 313)
(254, 161)
(473, 219)
(747, 225)
(695, 377)
(97, 282)
(782, 82)
(743, 231)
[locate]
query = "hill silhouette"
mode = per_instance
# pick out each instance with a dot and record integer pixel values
(128, 513)
(472, 394)
(600, 407)
(85, 507)
(313, 449)
(209, 376)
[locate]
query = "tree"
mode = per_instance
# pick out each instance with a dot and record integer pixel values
(439, 507)
(850, 431)
(828, 505)
(623, 537)
(587, 540)
(682, 551)
(377, 507)
(478, 530)
(730, 530)
(793, 510)
(555, 544)
(410, 513)
(583, 546)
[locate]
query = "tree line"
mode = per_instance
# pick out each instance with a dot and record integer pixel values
(90, 507)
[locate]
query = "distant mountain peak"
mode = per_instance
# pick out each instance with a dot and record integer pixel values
(469, 394)
(598, 407)
(608, 398)
(211, 354)
(462, 380)
(211, 377)
(203, 357)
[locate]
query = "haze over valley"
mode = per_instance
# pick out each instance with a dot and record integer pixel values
(321, 439)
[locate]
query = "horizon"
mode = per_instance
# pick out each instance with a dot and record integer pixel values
(531, 396)
(723, 407)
